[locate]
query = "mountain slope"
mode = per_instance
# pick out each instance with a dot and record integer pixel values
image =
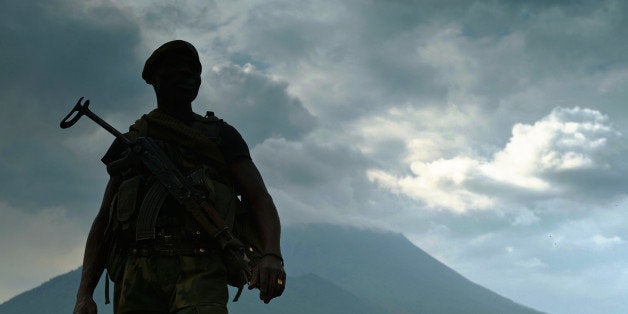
(308, 294)
(54, 296)
(331, 270)
(388, 270)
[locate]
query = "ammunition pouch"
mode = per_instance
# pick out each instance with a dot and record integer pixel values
(119, 232)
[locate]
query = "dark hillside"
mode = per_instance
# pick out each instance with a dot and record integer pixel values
(330, 270)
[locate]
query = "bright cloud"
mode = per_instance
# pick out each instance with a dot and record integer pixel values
(566, 140)
(439, 185)
(605, 242)
(525, 218)
(534, 262)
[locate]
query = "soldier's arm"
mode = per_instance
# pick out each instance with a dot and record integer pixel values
(270, 268)
(95, 255)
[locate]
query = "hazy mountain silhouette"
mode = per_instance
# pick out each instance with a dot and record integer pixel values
(388, 270)
(331, 270)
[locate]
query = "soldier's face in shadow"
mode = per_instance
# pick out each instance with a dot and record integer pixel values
(177, 81)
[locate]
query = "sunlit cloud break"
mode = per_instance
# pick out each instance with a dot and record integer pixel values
(566, 140)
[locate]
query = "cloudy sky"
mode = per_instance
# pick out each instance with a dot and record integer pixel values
(490, 133)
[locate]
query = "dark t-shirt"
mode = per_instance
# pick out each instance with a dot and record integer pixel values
(232, 145)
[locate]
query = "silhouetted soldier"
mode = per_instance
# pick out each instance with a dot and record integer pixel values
(178, 268)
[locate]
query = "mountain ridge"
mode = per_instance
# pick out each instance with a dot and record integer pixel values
(331, 269)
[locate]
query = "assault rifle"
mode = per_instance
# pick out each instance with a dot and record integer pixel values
(196, 203)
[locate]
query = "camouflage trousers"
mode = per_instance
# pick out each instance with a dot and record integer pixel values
(172, 284)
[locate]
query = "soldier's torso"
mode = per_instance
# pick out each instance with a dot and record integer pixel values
(146, 221)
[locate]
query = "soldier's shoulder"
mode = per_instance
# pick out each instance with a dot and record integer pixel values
(208, 118)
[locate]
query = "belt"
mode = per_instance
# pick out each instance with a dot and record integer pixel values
(162, 251)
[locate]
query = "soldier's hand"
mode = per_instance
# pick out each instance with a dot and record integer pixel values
(85, 305)
(269, 277)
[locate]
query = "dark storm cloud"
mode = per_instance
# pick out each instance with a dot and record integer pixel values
(307, 163)
(371, 43)
(373, 51)
(532, 42)
(259, 106)
(316, 182)
(510, 47)
(51, 53)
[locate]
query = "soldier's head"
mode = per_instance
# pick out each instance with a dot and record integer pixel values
(174, 70)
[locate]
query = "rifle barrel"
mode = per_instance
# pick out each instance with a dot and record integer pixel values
(105, 125)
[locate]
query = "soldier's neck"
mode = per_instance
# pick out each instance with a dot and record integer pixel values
(181, 111)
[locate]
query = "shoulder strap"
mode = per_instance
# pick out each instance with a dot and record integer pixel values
(209, 125)
(143, 128)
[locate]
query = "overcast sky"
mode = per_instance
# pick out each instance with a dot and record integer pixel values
(490, 133)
